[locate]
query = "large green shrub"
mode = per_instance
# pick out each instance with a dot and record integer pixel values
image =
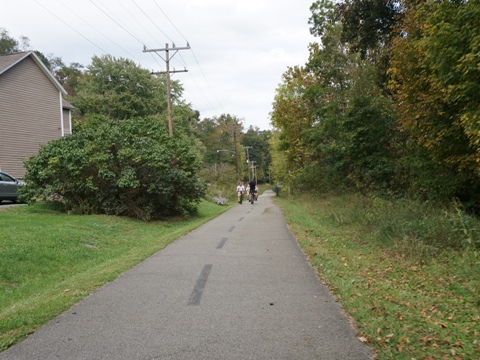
(130, 168)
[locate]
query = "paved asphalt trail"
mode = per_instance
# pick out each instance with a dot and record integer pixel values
(238, 287)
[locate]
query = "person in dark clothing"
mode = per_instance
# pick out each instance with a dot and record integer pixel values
(252, 184)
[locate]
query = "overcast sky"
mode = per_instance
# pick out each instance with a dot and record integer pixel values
(239, 48)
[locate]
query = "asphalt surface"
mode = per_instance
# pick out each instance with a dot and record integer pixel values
(239, 287)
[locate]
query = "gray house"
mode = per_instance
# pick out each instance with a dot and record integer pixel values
(32, 110)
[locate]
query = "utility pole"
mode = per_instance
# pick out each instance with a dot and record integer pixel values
(235, 147)
(254, 175)
(168, 72)
(248, 159)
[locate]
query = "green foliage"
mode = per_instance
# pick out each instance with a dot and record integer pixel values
(130, 168)
(69, 76)
(467, 228)
(324, 16)
(369, 128)
(217, 133)
(366, 27)
(51, 62)
(368, 24)
(325, 146)
(221, 181)
(120, 89)
(9, 44)
(224, 145)
(258, 152)
(278, 166)
(292, 115)
(340, 126)
(435, 83)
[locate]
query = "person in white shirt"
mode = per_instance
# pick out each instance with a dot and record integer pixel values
(240, 191)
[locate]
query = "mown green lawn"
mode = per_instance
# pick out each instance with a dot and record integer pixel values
(410, 295)
(50, 260)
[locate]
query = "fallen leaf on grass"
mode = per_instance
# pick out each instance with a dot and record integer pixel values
(363, 339)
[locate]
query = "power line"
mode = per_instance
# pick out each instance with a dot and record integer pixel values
(171, 22)
(93, 27)
(206, 79)
(113, 17)
(116, 22)
(152, 21)
(201, 70)
(198, 86)
(134, 18)
(71, 27)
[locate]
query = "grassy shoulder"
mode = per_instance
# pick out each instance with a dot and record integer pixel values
(50, 260)
(407, 275)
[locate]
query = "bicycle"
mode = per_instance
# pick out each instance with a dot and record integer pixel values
(251, 197)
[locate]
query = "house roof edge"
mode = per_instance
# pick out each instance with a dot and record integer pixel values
(40, 64)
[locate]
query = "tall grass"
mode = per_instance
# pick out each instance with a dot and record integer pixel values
(50, 260)
(407, 273)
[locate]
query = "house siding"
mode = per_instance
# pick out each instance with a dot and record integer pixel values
(26, 122)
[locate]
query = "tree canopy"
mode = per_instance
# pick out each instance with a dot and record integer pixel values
(119, 89)
(387, 101)
(9, 44)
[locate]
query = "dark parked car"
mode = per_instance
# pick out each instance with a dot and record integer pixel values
(9, 186)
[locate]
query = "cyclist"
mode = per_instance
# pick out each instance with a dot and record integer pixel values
(240, 191)
(252, 184)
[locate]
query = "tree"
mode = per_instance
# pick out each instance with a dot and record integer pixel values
(369, 160)
(10, 45)
(451, 44)
(220, 133)
(291, 116)
(258, 152)
(69, 77)
(435, 77)
(51, 61)
(367, 27)
(368, 24)
(119, 89)
(332, 66)
(343, 135)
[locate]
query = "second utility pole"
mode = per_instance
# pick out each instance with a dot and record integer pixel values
(168, 72)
